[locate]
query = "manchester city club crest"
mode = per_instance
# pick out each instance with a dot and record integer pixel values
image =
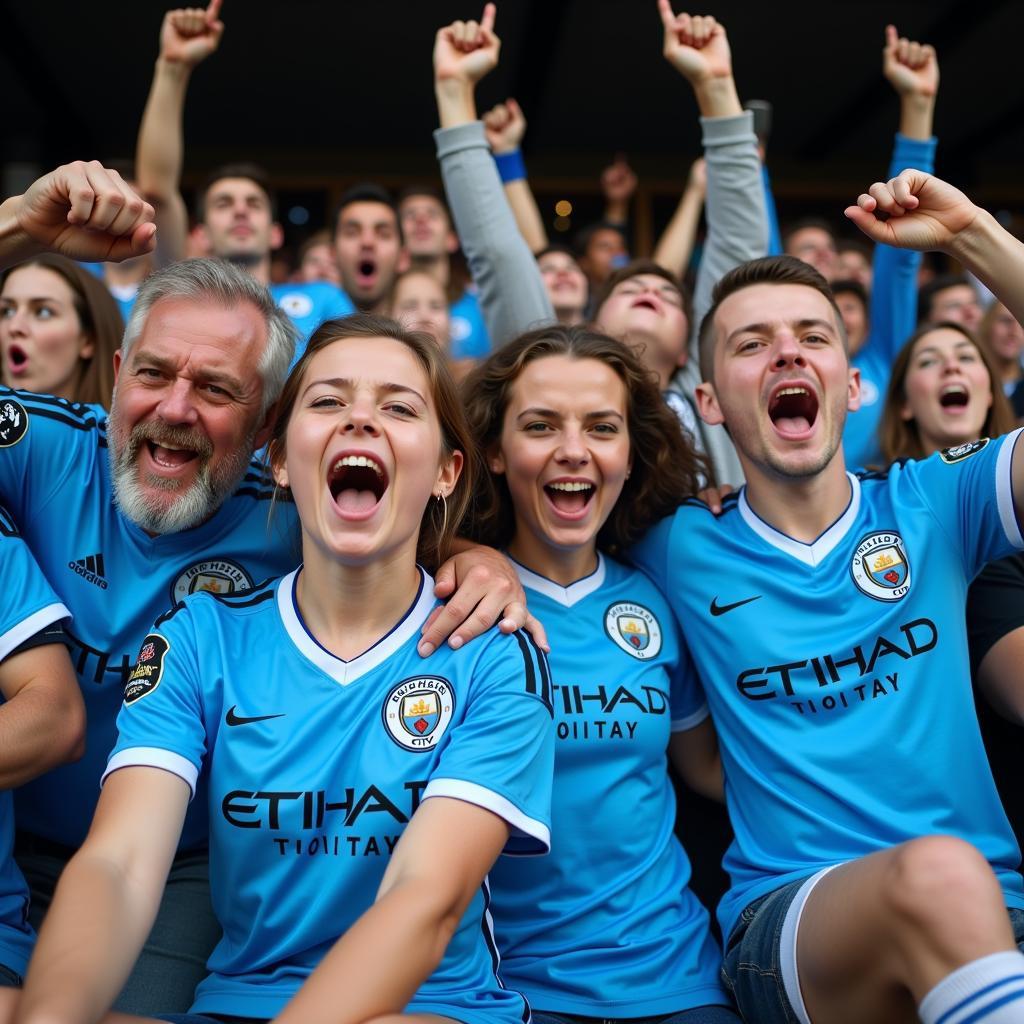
(880, 566)
(214, 575)
(417, 711)
(634, 629)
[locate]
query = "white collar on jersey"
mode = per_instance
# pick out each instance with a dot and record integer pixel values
(812, 554)
(569, 595)
(346, 672)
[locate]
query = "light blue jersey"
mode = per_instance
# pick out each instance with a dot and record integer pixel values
(28, 607)
(315, 767)
(115, 578)
(606, 926)
(309, 305)
(837, 672)
(470, 339)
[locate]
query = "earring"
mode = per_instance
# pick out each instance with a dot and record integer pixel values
(443, 501)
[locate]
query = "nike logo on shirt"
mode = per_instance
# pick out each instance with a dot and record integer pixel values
(232, 719)
(721, 609)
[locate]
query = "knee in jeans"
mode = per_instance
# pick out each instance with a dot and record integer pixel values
(938, 880)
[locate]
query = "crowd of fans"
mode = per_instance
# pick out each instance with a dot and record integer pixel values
(354, 619)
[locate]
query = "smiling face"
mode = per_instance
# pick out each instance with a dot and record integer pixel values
(947, 389)
(363, 451)
(647, 310)
(367, 246)
(187, 412)
(42, 342)
(566, 285)
(782, 383)
(565, 454)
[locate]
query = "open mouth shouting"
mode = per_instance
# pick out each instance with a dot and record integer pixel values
(357, 481)
(366, 272)
(954, 397)
(168, 451)
(793, 409)
(17, 360)
(645, 303)
(570, 497)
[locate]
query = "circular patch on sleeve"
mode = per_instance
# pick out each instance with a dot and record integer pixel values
(145, 675)
(962, 451)
(417, 711)
(880, 566)
(13, 422)
(634, 629)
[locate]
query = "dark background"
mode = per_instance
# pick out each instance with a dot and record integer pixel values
(327, 93)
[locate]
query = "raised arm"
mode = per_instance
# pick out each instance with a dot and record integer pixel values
(512, 294)
(84, 211)
(698, 48)
(504, 126)
(187, 37)
(913, 71)
(676, 243)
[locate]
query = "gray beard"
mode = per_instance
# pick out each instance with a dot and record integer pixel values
(195, 503)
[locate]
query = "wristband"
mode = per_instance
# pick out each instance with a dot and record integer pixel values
(510, 166)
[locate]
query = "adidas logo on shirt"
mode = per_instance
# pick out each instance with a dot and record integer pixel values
(90, 569)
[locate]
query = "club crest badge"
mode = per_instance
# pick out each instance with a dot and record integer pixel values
(962, 451)
(13, 422)
(880, 566)
(214, 575)
(634, 629)
(417, 711)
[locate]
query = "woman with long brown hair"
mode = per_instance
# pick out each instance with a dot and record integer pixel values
(584, 456)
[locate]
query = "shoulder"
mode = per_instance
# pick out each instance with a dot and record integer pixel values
(506, 660)
(19, 409)
(204, 608)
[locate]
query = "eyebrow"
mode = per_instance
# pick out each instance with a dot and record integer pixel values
(933, 349)
(32, 298)
(768, 328)
(343, 382)
(207, 376)
(602, 414)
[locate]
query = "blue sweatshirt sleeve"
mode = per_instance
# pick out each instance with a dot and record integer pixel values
(774, 234)
(894, 277)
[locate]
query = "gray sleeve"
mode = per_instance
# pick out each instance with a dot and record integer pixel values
(735, 212)
(512, 293)
(737, 231)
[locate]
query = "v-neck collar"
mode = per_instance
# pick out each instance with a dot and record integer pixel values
(341, 671)
(818, 550)
(567, 596)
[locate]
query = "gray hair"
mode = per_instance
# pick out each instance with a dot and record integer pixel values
(223, 283)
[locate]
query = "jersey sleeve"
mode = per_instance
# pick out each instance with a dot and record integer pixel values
(160, 724)
(969, 490)
(28, 606)
(501, 756)
(651, 553)
(689, 706)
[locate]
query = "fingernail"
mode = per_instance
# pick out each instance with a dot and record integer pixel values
(456, 642)
(425, 649)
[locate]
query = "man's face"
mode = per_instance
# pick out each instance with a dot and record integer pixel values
(238, 223)
(959, 304)
(816, 247)
(186, 413)
(368, 248)
(606, 250)
(426, 227)
(853, 265)
(782, 380)
(855, 319)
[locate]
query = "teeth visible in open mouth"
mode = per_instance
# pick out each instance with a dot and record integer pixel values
(359, 461)
(791, 391)
(571, 485)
